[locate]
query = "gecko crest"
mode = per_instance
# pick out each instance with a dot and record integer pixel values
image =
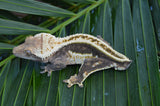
(50, 44)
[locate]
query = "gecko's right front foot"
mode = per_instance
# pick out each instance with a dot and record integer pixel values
(46, 70)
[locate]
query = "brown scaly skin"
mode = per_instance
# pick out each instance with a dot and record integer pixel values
(94, 54)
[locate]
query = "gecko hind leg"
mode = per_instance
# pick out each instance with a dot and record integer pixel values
(89, 66)
(73, 80)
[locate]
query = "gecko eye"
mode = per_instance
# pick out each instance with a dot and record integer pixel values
(28, 52)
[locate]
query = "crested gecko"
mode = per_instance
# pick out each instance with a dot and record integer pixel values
(93, 53)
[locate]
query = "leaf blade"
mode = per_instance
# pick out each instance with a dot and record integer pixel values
(151, 54)
(33, 7)
(14, 27)
(6, 46)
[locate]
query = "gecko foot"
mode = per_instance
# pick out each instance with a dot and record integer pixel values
(73, 80)
(43, 71)
(46, 70)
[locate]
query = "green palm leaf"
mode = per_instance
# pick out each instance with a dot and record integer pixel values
(13, 28)
(33, 7)
(128, 25)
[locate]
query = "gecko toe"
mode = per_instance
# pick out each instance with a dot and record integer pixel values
(43, 71)
(80, 85)
(49, 73)
(65, 81)
(69, 85)
(68, 82)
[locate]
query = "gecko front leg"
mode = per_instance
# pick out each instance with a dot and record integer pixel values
(49, 68)
(90, 66)
(55, 65)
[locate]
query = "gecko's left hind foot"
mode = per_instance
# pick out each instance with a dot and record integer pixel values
(73, 80)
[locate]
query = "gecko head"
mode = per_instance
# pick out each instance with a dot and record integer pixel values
(26, 49)
(37, 47)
